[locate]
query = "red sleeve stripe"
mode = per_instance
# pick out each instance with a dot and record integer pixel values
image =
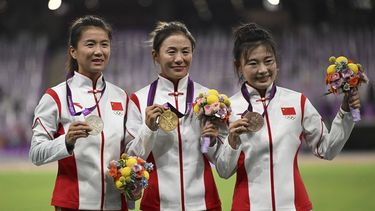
(320, 139)
(127, 105)
(303, 101)
(56, 98)
(40, 122)
(134, 98)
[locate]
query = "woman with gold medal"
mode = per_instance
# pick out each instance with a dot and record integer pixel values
(80, 123)
(268, 125)
(163, 129)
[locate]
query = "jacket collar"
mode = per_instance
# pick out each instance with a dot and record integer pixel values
(168, 86)
(255, 94)
(85, 82)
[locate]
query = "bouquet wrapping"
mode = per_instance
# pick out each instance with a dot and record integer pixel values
(344, 76)
(130, 175)
(214, 107)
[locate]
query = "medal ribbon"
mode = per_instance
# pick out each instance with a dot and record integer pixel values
(246, 95)
(69, 97)
(189, 97)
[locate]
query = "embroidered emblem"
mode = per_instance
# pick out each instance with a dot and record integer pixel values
(117, 108)
(288, 112)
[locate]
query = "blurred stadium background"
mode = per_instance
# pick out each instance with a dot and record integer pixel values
(33, 45)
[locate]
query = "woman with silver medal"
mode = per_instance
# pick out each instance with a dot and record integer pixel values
(80, 123)
(267, 127)
(162, 128)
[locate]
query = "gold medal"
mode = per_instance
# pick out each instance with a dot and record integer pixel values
(168, 121)
(256, 121)
(95, 123)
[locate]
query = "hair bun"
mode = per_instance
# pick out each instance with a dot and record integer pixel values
(251, 32)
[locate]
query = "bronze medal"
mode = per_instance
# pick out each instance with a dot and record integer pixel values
(168, 121)
(95, 123)
(256, 121)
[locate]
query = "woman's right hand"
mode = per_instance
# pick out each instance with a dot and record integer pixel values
(236, 128)
(77, 130)
(152, 113)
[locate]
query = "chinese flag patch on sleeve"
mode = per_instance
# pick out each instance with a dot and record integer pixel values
(116, 106)
(288, 111)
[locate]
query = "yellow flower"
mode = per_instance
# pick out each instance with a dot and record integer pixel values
(212, 99)
(332, 59)
(331, 69)
(146, 175)
(127, 179)
(130, 162)
(342, 59)
(119, 184)
(121, 179)
(227, 103)
(353, 67)
(196, 108)
(124, 156)
(125, 171)
(226, 100)
(213, 92)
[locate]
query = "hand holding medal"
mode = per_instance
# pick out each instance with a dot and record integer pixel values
(161, 116)
(168, 121)
(255, 121)
(96, 124)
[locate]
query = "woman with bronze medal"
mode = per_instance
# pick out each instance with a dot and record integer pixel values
(267, 127)
(163, 129)
(80, 123)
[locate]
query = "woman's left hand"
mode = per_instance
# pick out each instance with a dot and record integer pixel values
(210, 130)
(351, 100)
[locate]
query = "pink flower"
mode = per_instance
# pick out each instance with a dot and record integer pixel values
(215, 107)
(335, 77)
(208, 110)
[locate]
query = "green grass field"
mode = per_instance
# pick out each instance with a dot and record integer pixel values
(332, 187)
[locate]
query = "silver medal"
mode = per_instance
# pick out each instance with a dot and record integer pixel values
(96, 124)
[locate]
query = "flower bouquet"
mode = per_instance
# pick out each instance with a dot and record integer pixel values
(131, 176)
(213, 107)
(343, 76)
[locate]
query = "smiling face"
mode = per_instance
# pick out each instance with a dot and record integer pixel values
(92, 52)
(174, 57)
(259, 68)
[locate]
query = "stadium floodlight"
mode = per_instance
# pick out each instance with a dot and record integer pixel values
(54, 4)
(271, 5)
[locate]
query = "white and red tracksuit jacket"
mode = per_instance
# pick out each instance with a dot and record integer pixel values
(266, 164)
(82, 181)
(182, 178)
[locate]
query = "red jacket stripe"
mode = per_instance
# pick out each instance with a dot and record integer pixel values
(66, 192)
(134, 98)
(211, 195)
(241, 198)
(56, 98)
(151, 197)
(301, 199)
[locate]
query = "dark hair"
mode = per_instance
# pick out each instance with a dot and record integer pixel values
(75, 33)
(246, 38)
(165, 29)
